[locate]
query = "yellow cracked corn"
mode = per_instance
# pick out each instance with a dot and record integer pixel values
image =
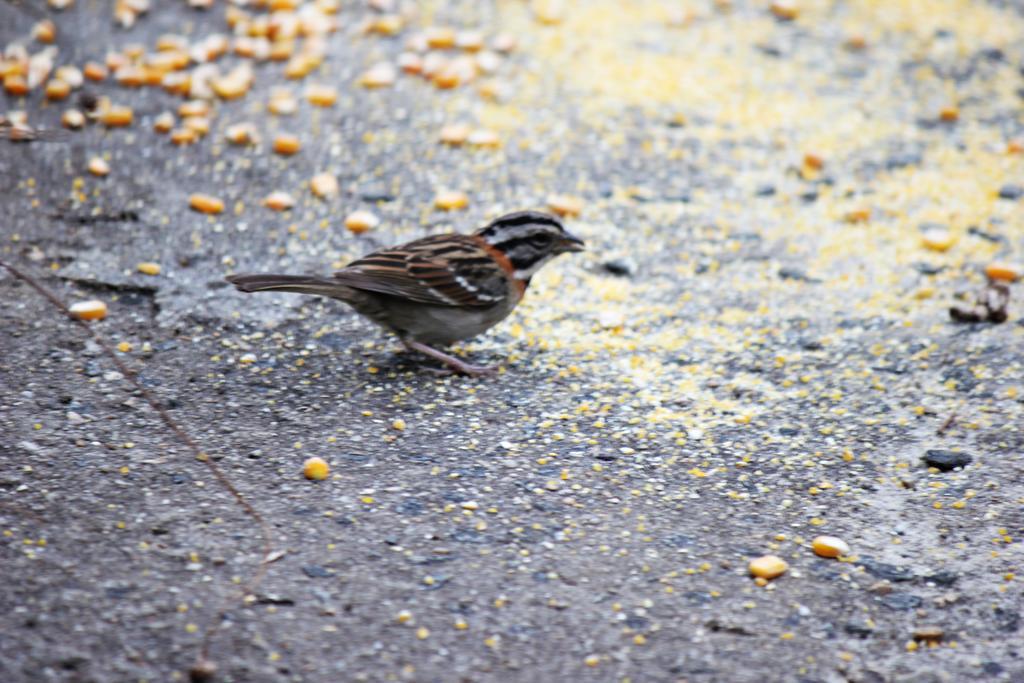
(449, 200)
(357, 223)
(89, 310)
(279, 201)
(286, 145)
(316, 469)
(204, 203)
(565, 205)
(99, 167)
(324, 185)
(830, 546)
(938, 239)
(148, 268)
(1005, 271)
(768, 567)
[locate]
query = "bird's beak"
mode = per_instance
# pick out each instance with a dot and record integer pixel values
(570, 243)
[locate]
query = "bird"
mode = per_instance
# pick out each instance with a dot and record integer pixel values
(440, 289)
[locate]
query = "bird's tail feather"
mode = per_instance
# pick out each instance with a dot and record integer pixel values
(300, 284)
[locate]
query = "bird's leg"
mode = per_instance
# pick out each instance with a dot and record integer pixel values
(451, 361)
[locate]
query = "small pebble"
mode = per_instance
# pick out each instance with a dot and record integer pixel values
(1011, 192)
(944, 460)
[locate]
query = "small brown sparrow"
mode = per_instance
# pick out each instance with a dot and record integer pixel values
(439, 289)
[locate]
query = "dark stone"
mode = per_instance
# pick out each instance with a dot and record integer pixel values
(884, 570)
(314, 571)
(903, 159)
(376, 193)
(637, 623)
(1011, 192)
(765, 191)
(1006, 620)
(944, 460)
(789, 431)
(788, 273)
(860, 628)
(620, 267)
(928, 269)
(901, 601)
(943, 578)
(992, 668)
(983, 234)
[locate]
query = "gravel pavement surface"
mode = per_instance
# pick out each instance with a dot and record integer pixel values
(781, 203)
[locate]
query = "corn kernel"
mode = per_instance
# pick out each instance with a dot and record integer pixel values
(194, 108)
(565, 205)
(282, 103)
(94, 71)
(99, 167)
(938, 239)
(200, 125)
(450, 200)
(183, 136)
(89, 310)
(241, 134)
(398, 424)
(1015, 147)
(548, 12)
(829, 546)
(410, 62)
(949, 114)
(204, 203)
(279, 201)
(56, 89)
(768, 566)
(230, 87)
(862, 215)
(116, 116)
(404, 616)
(286, 144)
(324, 185)
(785, 9)
(322, 95)
(164, 122)
(316, 469)
(440, 37)
(455, 134)
(483, 137)
(148, 268)
(380, 75)
(1001, 270)
(470, 41)
(359, 222)
(73, 119)
(386, 25)
(856, 42)
(45, 31)
(15, 84)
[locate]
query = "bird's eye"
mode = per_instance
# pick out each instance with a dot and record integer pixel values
(541, 240)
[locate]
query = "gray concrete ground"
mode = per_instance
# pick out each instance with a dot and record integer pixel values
(755, 350)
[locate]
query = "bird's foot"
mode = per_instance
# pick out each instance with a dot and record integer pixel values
(454, 364)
